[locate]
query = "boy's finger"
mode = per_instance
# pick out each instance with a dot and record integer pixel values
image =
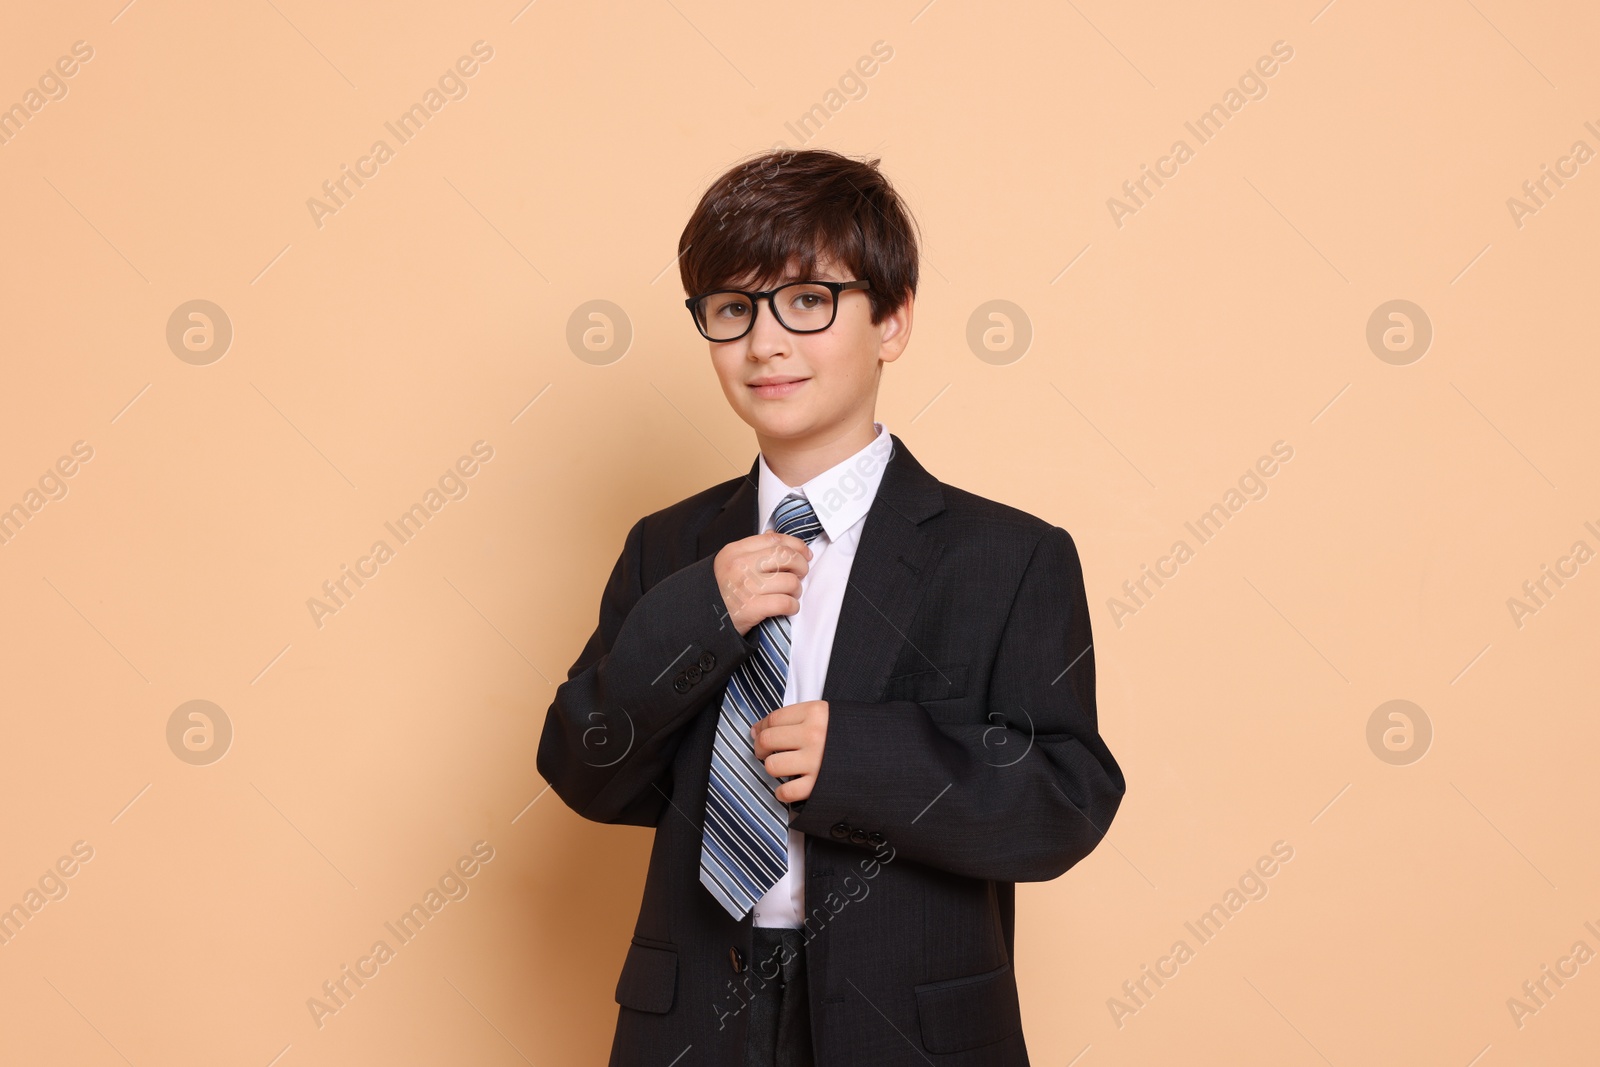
(779, 739)
(787, 715)
(790, 542)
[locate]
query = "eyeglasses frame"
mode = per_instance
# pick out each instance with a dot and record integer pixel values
(755, 299)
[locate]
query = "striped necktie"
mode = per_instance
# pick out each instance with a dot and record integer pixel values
(744, 848)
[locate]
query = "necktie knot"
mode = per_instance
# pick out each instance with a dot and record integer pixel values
(795, 517)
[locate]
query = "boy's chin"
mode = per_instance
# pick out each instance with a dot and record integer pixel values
(783, 425)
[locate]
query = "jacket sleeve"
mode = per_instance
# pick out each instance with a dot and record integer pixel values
(1019, 794)
(651, 664)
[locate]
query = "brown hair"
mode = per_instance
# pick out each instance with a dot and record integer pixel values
(801, 206)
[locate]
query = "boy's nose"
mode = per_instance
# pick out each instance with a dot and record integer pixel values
(767, 335)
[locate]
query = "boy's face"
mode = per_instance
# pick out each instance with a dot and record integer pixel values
(830, 379)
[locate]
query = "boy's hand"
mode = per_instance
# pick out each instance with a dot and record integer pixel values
(789, 742)
(760, 577)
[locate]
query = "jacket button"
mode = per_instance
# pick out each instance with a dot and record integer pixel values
(693, 672)
(707, 660)
(736, 958)
(840, 830)
(680, 684)
(858, 837)
(875, 838)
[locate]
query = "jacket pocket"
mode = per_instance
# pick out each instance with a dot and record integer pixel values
(943, 683)
(649, 977)
(963, 1013)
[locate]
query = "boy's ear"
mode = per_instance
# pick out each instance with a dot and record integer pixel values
(895, 331)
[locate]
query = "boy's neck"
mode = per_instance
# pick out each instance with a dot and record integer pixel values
(797, 462)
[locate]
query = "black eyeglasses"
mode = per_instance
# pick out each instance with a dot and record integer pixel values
(799, 307)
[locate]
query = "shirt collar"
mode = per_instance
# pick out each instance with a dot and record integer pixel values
(840, 495)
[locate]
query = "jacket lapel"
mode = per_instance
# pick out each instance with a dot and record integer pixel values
(736, 519)
(887, 578)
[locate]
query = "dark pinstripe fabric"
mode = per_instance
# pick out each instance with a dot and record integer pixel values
(963, 755)
(780, 1018)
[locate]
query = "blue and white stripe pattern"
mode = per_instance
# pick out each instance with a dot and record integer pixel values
(744, 848)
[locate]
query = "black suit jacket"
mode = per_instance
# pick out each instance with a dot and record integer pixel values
(962, 756)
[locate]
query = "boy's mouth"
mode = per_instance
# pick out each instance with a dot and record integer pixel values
(777, 386)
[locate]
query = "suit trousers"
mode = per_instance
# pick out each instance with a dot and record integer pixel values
(780, 1018)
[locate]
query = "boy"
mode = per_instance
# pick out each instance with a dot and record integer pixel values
(856, 703)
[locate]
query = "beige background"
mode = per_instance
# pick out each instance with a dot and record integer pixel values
(1167, 354)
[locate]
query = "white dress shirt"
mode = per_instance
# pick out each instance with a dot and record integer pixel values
(841, 496)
